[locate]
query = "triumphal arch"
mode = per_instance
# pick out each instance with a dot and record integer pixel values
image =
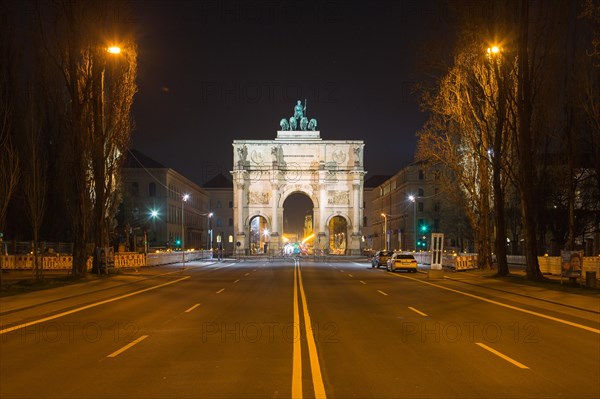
(330, 172)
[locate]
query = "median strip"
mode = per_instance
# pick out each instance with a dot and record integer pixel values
(129, 345)
(502, 355)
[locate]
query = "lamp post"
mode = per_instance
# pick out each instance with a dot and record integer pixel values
(385, 245)
(414, 201)
(184, 199)
(209, 231)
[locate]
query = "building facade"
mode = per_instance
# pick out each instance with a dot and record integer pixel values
(220, 192)
(153, 206)
(413, 206)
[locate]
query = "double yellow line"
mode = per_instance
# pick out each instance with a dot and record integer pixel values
(315, 368)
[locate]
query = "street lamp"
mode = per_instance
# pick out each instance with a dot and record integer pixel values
(414, 201)
(385, 245)
(184, 199)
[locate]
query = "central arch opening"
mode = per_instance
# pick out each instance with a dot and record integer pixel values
(259, 235)
(298, 223)
(338, 235)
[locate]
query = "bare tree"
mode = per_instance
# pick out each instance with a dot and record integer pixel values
(96, 108)
(9, 159)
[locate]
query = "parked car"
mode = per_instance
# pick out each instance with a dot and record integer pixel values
(402, 261)
(380, 258)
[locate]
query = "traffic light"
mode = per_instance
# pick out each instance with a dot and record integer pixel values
(424, 228)
(178, 243)
(422, 244)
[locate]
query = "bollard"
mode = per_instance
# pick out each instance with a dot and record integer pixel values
(590, 279)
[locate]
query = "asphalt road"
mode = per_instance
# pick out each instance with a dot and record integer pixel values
(239, 330)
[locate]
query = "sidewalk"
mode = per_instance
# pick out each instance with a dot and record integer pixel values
(548, 290)
(18, 291)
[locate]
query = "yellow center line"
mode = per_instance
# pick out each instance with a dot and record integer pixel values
(129, 345)
(221, 290)
(531, 312)
(192, 308)
(417, 311)
(502, 355)
(382, 293)
(312, 346)
(297, 354)
(92, 305)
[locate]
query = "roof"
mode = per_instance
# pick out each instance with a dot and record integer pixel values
(376, 180)
(219, 181)
(135, 159)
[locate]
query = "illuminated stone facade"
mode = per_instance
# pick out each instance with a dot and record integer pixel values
(329, 172)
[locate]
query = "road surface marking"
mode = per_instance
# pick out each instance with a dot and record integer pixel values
(349, 275)
(221, 290)
(129, 345)
(247, 274)
(297, 354)
(363, 282)
(531, 312)
(236, 281)
(312, 346)
(192, 308)
(382, 293)
(417, 311)
(92, 305)
(502, 355)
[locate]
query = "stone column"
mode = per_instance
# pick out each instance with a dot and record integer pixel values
(356, 209)
(275, 209)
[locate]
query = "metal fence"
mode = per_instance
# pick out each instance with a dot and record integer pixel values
(44, 247)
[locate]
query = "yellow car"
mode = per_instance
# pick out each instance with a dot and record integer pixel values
(400, 261)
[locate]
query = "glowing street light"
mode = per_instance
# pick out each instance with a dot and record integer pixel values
(113, 50)
(184, 199)
(385, 245)
(413, 199)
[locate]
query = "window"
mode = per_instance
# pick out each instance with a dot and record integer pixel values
(421, 207)
(218, 204)
(436, 224)
(436, 207)
(218, 222)
(231, 204)
(421, 192)
(364, 221)
(421, 175)
(152, 190)
(230, 222)
(135, 189)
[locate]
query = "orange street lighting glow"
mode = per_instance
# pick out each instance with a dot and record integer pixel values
(493, 49)
(114, 50)
(308, 238)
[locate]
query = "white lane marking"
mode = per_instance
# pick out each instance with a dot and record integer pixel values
(417, 311)
(531, 312)
(192, 308)
(247, 274)
(92, 305)
(236, 281)
(502, 355)
(382, 293)
(317, 378)
(129, 345)
(349, 275)
(363, 282)
(221, 290)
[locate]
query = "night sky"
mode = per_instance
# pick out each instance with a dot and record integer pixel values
(211, 72)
